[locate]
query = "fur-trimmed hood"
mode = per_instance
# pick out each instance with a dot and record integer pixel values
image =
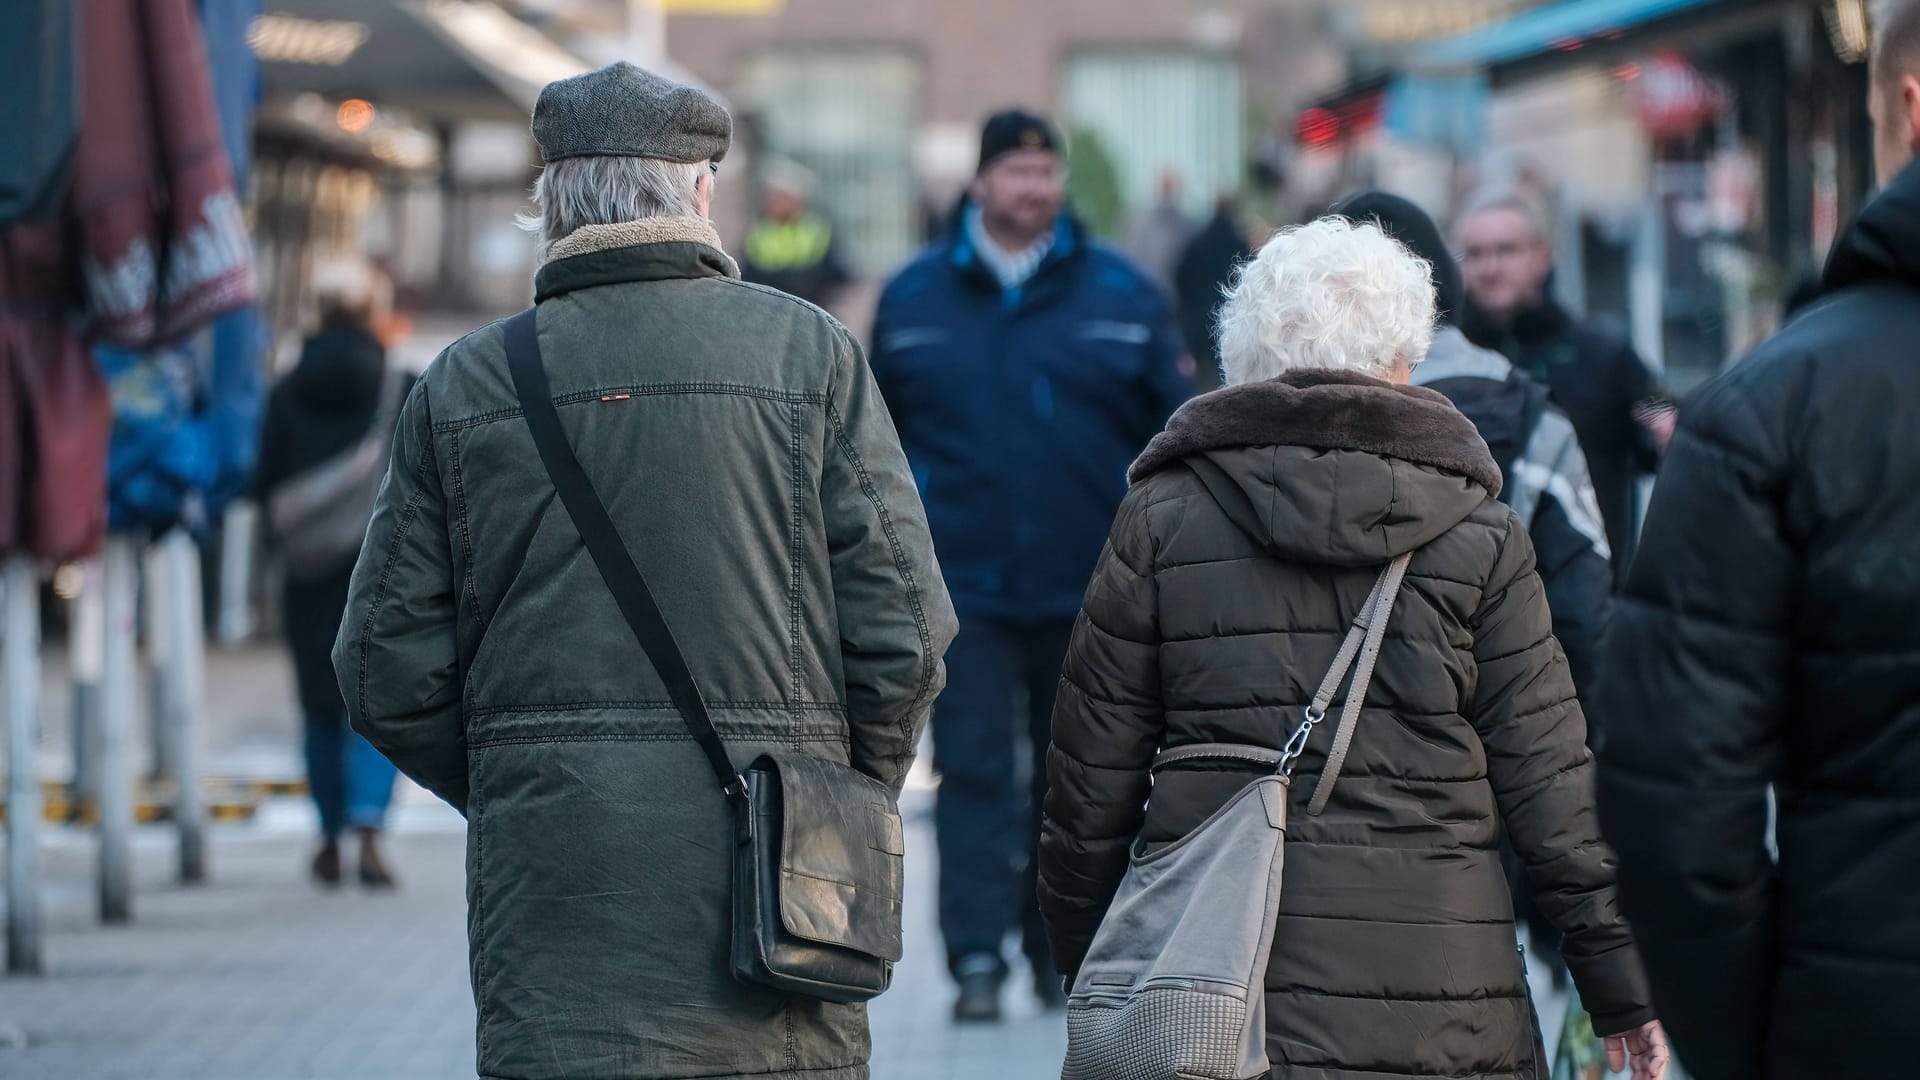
(1330, 465)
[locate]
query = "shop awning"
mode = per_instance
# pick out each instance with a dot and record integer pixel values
(443, 59)
(1565, 26)
(370, 49)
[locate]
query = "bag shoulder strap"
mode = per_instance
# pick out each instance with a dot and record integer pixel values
(609, 552)
(1358, 653)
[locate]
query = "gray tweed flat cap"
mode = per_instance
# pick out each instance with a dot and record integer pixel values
(625, 111)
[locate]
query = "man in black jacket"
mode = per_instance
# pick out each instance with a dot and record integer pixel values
(1543, 471)
(1543, 480)
(1768, 641)
(1615, 403)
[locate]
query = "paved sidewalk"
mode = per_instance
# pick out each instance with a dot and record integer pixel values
(260, 976)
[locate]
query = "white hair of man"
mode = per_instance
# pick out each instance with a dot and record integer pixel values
(595, 190)
(1329, 294)
(1504, 198)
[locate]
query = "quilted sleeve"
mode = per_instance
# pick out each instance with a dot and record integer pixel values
(1108, 722)
(1542, 775)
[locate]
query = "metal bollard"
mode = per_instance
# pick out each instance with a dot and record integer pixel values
(236, 573)
(119, 678)
(88, 639)
(184, 689)
(154, 602)
(22, 667)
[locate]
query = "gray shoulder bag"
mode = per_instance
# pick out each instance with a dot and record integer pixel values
(1173, 987)
(319, 517)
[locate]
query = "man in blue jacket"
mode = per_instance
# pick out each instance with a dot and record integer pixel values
(1025, 365)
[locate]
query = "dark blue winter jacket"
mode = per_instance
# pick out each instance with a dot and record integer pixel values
(1020, 410)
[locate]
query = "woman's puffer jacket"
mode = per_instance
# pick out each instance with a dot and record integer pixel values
(1255, 527)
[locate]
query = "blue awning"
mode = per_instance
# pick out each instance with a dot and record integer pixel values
(1556, 26)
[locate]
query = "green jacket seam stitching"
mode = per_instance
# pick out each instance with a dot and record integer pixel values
(929, 663)
(386, 574)
(796, 686)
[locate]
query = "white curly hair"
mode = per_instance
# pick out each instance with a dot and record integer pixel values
(1327, 294)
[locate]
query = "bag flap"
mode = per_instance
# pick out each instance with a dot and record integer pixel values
(841, 868)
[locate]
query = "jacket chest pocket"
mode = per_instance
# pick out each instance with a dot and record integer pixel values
(1101, 356)
(924, 365)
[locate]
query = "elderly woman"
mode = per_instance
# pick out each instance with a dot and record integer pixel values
(1255, 526)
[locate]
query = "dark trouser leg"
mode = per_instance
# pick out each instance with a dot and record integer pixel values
(312, 611)
(977, 810)
(327, 769)
(1046, 652)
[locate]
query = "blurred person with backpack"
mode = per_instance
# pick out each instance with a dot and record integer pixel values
(1617, 405)
(324, 450)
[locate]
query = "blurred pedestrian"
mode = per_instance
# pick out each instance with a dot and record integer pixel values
(1254, 528)
(745, 456)
(1025, 364)
(1617, 406)
(1158, 234)
(1762, 777)
(792, 247)
(1201, 279)
(1543, 478)
(323, 451)
(1543, 471)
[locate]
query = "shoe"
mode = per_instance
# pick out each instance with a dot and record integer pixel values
(979, 1000)
(373, 869)
(1050, 991)
(326, 864)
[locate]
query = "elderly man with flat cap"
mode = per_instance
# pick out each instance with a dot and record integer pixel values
(1026, 364)
(747, 464)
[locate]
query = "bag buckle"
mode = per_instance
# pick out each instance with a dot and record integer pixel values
(736, 792)
(1297, 742)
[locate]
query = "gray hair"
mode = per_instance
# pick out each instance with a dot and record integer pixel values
(595, 190)
(1329, 294)
(1896, 40)
(1509, 199)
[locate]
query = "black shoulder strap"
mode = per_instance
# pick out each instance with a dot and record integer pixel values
(609, 552)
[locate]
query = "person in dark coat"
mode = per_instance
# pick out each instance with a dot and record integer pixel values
(1543, 477)
(1157, 235)
(1025, 365)
(325, 408)
(1200, 281)
(746, 459)
(1617, 406)
(1762, 776)
(1255, 526)
(1543, 471)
